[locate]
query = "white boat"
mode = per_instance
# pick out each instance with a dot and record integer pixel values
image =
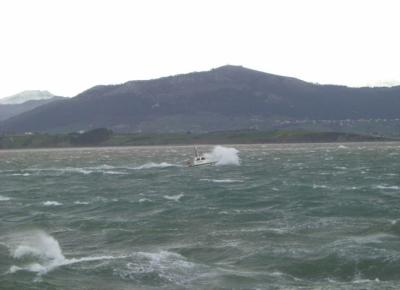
(199, 159)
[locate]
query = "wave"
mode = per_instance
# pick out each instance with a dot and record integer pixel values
(155, 165)
(20, 174)
(51, 203)
(224, 156)
(4, 198)
(40, 253)
(222, 180)
(81, 202)
(168, 267)
(114, 172)
(102, 169)
(362, 281)
(43, 253)
(40, 171)
(73, 170)
(174, 197)
(393, 187)
(316, 186)
(145, 200)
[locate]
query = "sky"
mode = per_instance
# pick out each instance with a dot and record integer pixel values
(68, 46)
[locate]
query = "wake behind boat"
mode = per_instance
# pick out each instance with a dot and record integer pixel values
(199, 159)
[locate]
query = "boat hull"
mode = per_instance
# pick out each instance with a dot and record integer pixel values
(201, 164)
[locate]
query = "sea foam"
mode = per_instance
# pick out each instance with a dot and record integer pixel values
(168, 267)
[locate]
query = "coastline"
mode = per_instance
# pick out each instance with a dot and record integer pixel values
(63, 141)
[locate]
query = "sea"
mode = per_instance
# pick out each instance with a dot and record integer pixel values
(282, 216)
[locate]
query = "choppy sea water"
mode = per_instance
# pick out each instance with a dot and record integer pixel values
(300, 216)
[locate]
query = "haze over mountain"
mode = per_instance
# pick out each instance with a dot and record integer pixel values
(10, 110)
(26, 96)
(226, 98)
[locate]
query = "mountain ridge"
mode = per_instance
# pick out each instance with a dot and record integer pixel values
(25, 96)
(10, 110)
(225, 98)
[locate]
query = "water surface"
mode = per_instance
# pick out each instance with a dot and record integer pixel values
(310, 216)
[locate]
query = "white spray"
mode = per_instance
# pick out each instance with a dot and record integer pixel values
(39, 247)
(224, 156)
(41, 253)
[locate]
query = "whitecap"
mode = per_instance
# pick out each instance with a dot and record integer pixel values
(368, 239)
(353, 187)
(111, 172)
(155, 165)
(316, 186)
(174, 197)
(102, 167)
(51, 203)
(222, 180)
(44, 252)
(391, 174)
(361, 281)
(393, 187)
(144, 200)
(168, 266)
(4, 198)
(74, 170)
(20, 174)
(341, 167)
(81, 202)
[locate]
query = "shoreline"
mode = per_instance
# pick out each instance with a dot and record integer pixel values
(101, 137)
(191, 145)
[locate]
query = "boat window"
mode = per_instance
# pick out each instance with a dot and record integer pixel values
(202, 158)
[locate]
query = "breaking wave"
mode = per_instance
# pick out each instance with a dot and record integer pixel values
(41, 253)
(224, 155)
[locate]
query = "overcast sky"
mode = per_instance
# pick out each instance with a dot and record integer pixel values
(67, 46)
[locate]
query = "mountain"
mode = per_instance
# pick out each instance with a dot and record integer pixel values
(26, 96)
(10, 110)
(225, 98)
